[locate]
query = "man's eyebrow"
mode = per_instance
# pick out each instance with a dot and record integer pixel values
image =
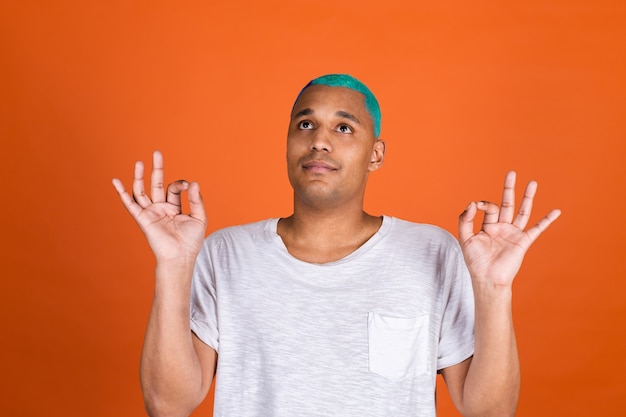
(340, 113)
(303, 112)
(348, 116)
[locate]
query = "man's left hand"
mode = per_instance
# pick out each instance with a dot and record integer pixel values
(494, 254)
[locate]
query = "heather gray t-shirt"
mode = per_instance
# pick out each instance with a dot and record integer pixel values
(363, 336)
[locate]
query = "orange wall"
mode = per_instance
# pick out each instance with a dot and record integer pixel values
(468, 90)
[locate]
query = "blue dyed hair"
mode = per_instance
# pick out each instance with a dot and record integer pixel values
(348, 81)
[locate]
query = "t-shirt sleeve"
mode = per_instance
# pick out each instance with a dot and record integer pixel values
(456, 342)
(203, 308)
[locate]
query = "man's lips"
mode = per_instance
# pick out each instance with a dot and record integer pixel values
(318, 166)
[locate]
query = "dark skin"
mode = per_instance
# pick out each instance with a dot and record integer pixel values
(331, 150)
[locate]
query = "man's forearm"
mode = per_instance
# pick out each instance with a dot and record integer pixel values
(493, 379)
(171, 376)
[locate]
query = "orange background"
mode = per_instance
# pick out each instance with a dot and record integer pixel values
(468, 91)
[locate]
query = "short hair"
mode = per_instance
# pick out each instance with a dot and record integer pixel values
(348, 81)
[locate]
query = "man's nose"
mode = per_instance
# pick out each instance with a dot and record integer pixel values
(321, 141)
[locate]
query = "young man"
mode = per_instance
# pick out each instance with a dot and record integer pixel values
(331, 311)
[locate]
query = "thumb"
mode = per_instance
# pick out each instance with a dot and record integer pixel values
(196, 204)
(466, 223)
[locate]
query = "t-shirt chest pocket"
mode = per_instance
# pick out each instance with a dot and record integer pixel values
(398, 346)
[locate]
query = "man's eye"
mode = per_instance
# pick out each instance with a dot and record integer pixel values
(305, 124)
(344, 129)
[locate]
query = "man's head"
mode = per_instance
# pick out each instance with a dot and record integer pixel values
(348, 81)
(331, 144)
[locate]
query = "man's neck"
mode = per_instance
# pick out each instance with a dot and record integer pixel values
(325, 236)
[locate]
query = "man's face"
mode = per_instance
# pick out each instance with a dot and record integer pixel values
(331, 146)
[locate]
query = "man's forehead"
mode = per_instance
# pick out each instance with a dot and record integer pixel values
(351, 87)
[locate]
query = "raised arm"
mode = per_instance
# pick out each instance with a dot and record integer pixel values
(488, 383)
(176, 367)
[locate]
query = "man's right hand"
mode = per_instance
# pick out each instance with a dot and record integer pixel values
(176, 367)
(172, 235)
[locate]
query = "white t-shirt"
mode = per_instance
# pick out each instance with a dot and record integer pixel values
(363, 336)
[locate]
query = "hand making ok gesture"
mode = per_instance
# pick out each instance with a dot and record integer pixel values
(495, 253)
(172, 234)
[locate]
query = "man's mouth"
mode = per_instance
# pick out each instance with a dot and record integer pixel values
(318, 166)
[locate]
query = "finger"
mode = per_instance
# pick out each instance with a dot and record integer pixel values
(543, 224)
(196, 203)
(130, 204)
(508, 198)
(523, 215)
(492, 212)
(139, 192)
(157, 191)
(174, 190)
(466, 223)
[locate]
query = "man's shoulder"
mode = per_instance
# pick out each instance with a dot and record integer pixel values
(421, 231)
(261, 229)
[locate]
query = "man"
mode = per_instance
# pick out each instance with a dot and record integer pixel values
(331, 311)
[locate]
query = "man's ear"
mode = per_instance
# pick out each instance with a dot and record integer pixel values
(378, 155)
